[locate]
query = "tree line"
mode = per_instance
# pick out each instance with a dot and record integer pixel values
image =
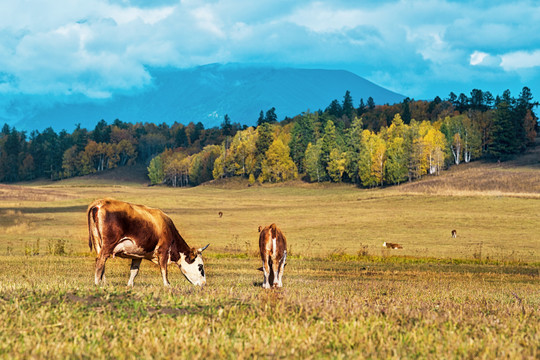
(370, 145)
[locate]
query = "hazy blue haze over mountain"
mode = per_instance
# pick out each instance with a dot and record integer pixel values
(207, 93)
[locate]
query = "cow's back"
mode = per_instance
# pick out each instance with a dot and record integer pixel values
(118, 220)
(268, 245)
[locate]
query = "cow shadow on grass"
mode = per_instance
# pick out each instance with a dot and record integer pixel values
(131, 304)
(45, 210)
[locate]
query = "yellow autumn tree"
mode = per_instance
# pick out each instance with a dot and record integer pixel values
(126, 152)
(312, 162)
(372, 159)
(174, 168)
(434, 150)
(224, 165)
(336, 165)
(397, 128)
(278, 165)
(242, 151)
(93, 157)
(396, 161)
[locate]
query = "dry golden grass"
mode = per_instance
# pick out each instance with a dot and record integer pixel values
(476, 296)
(317, 222)
(327, 309)
(519, 177)
(479, 179)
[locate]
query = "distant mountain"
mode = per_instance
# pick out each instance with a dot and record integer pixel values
(207, 93)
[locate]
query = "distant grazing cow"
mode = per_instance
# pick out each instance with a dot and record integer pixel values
(137, 232)
(273, 248)
(454, 233)
(220, 214)
(392, 245)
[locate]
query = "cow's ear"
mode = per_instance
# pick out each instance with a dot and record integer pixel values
(193, 254)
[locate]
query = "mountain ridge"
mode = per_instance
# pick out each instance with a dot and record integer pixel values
(206, 93)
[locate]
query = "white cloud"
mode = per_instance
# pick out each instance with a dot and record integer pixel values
(520, 60)
(100, 47)
(207, 20)
(478, 57)
(89, 47)
(486, 60)
(323, 17)
(147, 16)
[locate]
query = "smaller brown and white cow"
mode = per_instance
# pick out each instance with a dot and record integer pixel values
(454, 233)
(392, 245)
(273, 249)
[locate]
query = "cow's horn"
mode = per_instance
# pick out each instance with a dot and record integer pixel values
(204, 248)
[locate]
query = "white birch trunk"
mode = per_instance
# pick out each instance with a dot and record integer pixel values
(456, 151)
(466, 152)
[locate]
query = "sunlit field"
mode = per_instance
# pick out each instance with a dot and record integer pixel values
(317, 220)
(344, 296)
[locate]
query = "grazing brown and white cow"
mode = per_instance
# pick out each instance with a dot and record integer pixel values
(273, 248)
(454, 233)
(392, 245)
(138, 232)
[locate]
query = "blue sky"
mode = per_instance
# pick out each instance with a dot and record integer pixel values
(92, 49)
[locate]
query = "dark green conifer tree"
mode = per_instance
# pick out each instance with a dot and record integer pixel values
(302, 134)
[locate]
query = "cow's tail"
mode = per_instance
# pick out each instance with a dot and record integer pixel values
(93, 228)
(273, 229)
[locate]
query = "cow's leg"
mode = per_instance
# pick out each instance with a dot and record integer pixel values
(275, 269)
(266, 271)
(280, 269)
(100, 268)
(135, 264)
(163, 260)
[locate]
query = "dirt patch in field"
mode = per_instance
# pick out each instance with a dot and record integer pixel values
(86, 300)
(133, 305)
(120, 175)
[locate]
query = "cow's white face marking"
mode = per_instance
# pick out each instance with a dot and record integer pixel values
(194, 272)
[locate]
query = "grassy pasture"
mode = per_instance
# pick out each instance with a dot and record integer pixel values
(317, 220)
(476, 296)
(339, 309)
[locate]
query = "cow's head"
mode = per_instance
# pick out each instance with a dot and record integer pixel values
(191, 265)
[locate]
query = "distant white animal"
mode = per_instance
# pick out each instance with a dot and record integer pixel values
(392, 245)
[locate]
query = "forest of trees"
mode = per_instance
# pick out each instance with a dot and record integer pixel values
(369, 145)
